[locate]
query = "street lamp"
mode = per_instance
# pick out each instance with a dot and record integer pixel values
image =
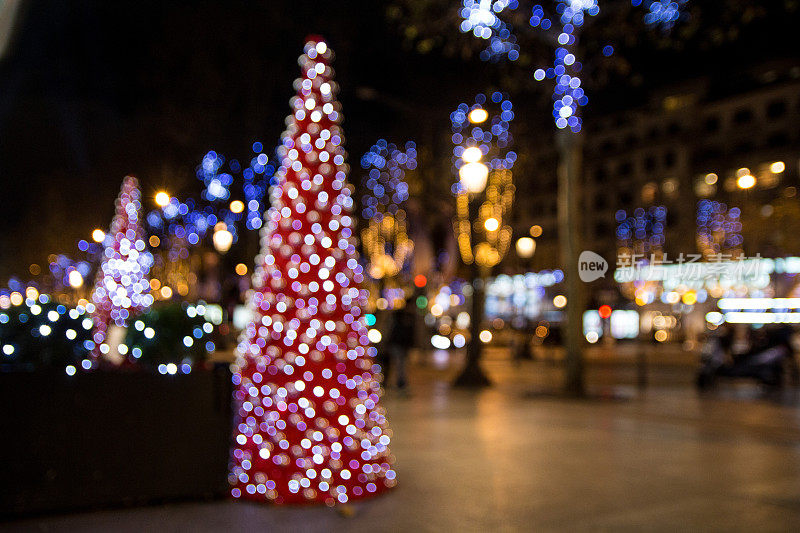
(478, 115)
(222, 238)
(473, 177)
(526, 247)
(484, 194)
(746, 181)
(75, 279)
(162, 199)
(385, 238)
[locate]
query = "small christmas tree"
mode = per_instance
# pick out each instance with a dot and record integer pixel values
(122, 288)
(309, 425)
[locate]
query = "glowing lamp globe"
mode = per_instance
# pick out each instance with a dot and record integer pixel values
(526, 247)
(473, 177)
(747, 181)
(75, 279)
(472, 154)
(237, 206)
(223, 239)
(478, 115)
(162, 199)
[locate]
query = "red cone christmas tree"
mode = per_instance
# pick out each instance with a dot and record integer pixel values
(309, 426)
(122, 288)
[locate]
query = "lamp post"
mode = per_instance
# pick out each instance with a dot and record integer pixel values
(222, 238)
(484, 194)
(385, 238)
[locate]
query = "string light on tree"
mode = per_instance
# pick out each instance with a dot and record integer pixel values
(122, 287)
(385, 239)
(663, 13)
(718, 229)
(309, 424)
(480, 17)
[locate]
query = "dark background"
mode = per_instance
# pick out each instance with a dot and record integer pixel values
(93, 90)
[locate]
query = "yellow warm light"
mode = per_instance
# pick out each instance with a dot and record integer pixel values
(473, 176)
(75, 279)
(16, 298)
(690, 298)
(222, 238)
(711, 178)
(478, 115)
(525, 247)
(536, 231)
(241, 269)
(777, 167)
(166, 292)
(560, 301)
(98, 235)
(485, 336)
(154, 241)
(155, 284)
(661, 335)
(747, 181)
(472, 154)
(32, 293)
(162, 199)
(436, 310)
(237, 206)
(491, 224)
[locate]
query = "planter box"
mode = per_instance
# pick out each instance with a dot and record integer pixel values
(112, 438)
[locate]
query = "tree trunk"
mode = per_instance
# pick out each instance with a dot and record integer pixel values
(472, 375)
(569, 177)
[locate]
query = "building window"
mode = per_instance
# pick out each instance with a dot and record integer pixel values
(743, 116)
(776, 109)
(778, 140)
(599, 202)
(600, 175)
(674, 128)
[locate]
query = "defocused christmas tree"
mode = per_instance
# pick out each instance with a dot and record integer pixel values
(309, 424)
(122, 288)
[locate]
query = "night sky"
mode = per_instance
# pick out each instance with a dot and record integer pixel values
(94, 90)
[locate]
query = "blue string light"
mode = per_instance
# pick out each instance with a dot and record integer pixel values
(662, 13)
(386, 166)
(480, 17)
(643, 232)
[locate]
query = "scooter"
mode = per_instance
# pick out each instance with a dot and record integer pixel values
(764, 364)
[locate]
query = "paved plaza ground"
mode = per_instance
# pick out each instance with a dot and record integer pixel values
(511, 458)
